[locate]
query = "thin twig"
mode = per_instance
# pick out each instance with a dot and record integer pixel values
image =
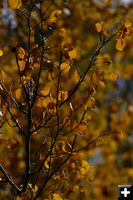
(13, 185)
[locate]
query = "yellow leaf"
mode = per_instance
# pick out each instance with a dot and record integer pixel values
(113, 76)
(65, 67)
(120, 44)
(18, 93)
(14, 4)
(45, 91)
(84, 167)
(46, 101)
(35, 188)
(76, 188)
(98, 27)
(63, 95)
(21, 64)
(39, 103)
(82, 128)
(99, 141)
(57, 197)
(54, 16)
(46, 164)
(101, 84)
(90, 103)
(21, 53)
(25, 79)
(50, 104)
(1, 52)
(63, 146)
(127, 23)
(75, 76)
(72, 54)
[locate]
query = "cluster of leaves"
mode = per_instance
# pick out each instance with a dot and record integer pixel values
(53, 111)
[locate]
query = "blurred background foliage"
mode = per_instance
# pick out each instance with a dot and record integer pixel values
(111, 160)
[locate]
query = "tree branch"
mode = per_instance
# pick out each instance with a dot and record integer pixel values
(18, 190)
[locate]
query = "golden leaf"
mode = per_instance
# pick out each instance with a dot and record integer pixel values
(63, 95)
(50, 104)
(90, 103)
(120, 44)
(84, 167)
(76, 188)
(57, 197)
(14, 4)
(45, 91)
(35, 188)
(82, 128)
(21, 64)
(127, 23)
(1, 52)
(101, 84)
(75, 76)
(65, 67)
(113, 76)
(72, 54)
(21, 53)
(18, 93)
(39, 103)
(98, 27)
(54, 16)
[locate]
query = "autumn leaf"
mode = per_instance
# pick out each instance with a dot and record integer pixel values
(90, 103)
(57, 196)
(1, 52)
(113, 76)
(63, 95)
(65, 67)
(14, 4)
(120, 44)
(45, 91)
(21, 53)
(75, 75)
(81, 128)
(127, 23)
(72, 54)
(18, 93)
(54, 16)
(98, 27)
(101, 28)
(76, 188)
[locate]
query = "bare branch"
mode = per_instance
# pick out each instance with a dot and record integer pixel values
(18, 190)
